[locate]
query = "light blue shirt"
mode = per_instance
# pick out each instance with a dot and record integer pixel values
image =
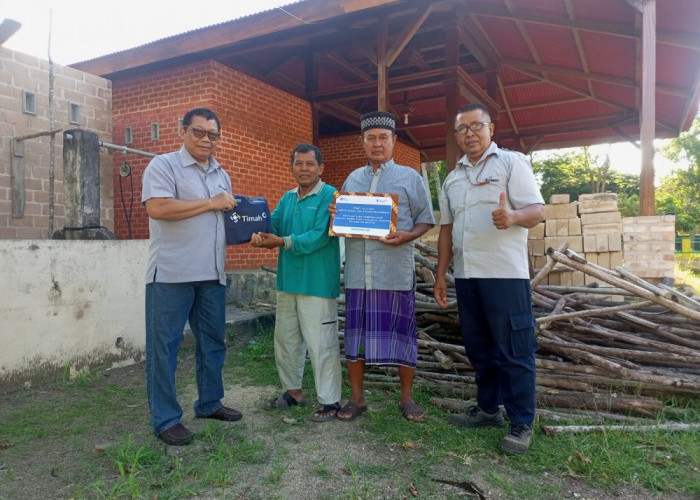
(369, 263)
(469, 195)
(192, 249)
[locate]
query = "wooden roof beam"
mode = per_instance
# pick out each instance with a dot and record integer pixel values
(475, 91)
(348, 68)
(473, 37)
(413, 81)
(615, 80)
(571, 89)
(406, 36)
(506, 103)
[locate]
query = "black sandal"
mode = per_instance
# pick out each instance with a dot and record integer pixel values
(285, 401)
(327, 413)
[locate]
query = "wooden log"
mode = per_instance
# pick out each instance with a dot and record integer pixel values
(441, 318)
(549, 265)
(428, 250)
(597, 401)
(578, 258)
(603, 311)
(682, 298)
(547, 320)
(615, 281)
(659, 330)
(630, 276)
(586, 289)
(577, 429)
(632, 339)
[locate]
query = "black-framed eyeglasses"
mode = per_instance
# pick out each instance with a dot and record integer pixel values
(474, 127)
(200, 133)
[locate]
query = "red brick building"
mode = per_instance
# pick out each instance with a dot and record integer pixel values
(260, 126)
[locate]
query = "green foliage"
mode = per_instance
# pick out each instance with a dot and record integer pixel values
(434, 186)
(577, 172)
(679, 193)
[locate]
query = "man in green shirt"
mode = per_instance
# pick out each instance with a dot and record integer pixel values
(308, 284)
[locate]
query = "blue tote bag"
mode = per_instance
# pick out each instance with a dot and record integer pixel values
(251, 215)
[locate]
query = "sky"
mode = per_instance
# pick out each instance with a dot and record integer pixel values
(85, 29)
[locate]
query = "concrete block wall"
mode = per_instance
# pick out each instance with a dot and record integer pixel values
(650, 246)
(260, 127)
(93, 94)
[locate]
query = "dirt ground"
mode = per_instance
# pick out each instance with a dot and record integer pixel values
(54, 467)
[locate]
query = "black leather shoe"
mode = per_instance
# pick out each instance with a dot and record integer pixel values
(177, 435)
(226, 414)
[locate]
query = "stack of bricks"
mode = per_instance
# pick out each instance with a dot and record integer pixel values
(601, 225)
(592, 227)
(562, 224)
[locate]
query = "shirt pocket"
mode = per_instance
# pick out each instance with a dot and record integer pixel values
(188, 190)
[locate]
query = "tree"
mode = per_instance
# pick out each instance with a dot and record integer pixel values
(679, 193)
(577, 172)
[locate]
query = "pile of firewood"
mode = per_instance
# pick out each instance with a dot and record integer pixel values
(603, 351)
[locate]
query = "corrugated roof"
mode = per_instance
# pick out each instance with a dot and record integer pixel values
(554, 72)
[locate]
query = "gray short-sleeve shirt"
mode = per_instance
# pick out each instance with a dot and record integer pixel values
(371, 264)
(192, 249)
(469, 195)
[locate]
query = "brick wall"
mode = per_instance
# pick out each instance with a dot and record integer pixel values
(20, 72)
(649, 244)
(260, 127)
(343, 154)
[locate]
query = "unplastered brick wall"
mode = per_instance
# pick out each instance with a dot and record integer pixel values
(650, 246)
(260, 126)
(591, 227)
(343, 154)
(90, 96)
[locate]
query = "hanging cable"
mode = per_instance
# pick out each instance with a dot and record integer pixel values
(125, 171)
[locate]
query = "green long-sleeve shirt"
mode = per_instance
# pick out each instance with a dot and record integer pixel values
(311, 266)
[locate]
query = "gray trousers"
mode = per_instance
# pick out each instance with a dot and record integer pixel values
(306, 323)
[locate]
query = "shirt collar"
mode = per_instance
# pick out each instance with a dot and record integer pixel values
(314, 190)
(383, 166)
(464, 161)
(189, 161)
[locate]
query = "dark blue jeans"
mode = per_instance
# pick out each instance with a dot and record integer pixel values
(498, 332)
(168, 307)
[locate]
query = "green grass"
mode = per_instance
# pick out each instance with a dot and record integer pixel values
(136, 466)
(686, 276)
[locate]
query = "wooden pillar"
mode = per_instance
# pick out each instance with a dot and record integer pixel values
(311, 83)
(452, 152)
(648, 110)
(382, 68)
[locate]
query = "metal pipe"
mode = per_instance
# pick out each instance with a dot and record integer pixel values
(124, 149)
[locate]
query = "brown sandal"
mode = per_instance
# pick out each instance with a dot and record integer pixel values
(412, 412)
(353, 409)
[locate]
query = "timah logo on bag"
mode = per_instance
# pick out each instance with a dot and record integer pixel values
(251, 215)
(247, 218)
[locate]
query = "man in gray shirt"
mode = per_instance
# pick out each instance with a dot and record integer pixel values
(185, 193)
(380, 320)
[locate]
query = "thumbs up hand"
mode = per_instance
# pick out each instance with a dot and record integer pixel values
(502, 217)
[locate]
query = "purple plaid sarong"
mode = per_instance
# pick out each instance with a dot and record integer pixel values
(380, 327)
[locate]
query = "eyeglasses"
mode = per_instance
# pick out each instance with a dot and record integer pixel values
(474, 127)
(199, 134)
